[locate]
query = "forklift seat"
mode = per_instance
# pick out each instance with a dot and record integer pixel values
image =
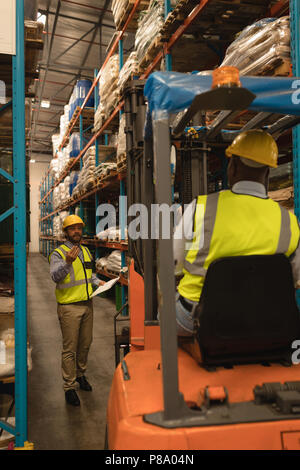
(247, 312)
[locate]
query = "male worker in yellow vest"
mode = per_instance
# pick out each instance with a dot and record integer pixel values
(71, 270)
(236, 222)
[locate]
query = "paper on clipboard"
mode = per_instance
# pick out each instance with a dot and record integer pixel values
(108, 285)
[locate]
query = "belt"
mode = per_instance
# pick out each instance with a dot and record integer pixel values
(80, 302)
(189, 307)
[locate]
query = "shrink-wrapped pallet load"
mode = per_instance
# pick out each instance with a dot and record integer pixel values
(261, 47)
(149, 25)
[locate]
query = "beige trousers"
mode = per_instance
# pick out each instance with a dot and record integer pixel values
(76, 322)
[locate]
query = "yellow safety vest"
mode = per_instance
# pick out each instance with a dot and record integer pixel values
(77, 285)
(229, 224)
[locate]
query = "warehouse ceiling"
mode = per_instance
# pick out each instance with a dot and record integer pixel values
(76, 36)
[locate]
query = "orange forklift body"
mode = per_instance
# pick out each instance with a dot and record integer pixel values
(142, 394)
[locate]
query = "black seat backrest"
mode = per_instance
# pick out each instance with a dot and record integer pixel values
(247, 311)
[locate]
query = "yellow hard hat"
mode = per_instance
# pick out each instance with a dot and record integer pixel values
(72, 220)
(256, 145)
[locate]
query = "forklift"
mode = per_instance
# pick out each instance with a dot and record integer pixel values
(245, 394)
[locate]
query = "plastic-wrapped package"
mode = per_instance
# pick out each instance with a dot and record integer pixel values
(74, 145)
(73, 181)
(86, 176)
(66, 193)
(56, 197)
(113, 140)
(109, 76)
(260, 47)
(63, 126)
(130, 67)
(72, 104)
(149, 25)
(115, 234)
(118, 7)
(111, 262)
(105, 168)
(7, 369)
(65, 156)
(111, 102)
(55, 143)
(58, 165)
(66, 114)
(57, 225)
(101, 263)
(90, 153)
(107, 91)
(99, 117)
(121, 148)
(82, 88)
(61, 193)
(54, 170)
(114, 261)
(111, 234)
(61, 188)
(103, 236)
(78, 96)
(60, 162)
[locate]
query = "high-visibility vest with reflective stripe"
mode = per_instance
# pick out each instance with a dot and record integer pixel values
(228, 224)
(77, 285)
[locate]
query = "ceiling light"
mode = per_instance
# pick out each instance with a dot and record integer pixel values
(32, 161)
(45, 104)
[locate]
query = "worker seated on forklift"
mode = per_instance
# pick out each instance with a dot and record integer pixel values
(241, 221)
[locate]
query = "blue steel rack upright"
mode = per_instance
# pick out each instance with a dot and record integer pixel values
(19, 210)
(295, 50)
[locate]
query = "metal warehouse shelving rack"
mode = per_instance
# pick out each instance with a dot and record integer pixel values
(18, 179)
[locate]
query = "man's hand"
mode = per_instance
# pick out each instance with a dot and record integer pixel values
(101, 283)
(72, 254)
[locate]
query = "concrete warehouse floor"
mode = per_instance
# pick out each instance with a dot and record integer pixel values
(52, 423)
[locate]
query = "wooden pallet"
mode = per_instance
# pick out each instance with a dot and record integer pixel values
(151, 52)
(91, 184)
(121, 163)
(33, 30)
(133, 25)
(103, 178)
(176, 16)
(113, 273)
(108, 172)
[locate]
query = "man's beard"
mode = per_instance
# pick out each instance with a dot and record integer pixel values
(72, 240)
